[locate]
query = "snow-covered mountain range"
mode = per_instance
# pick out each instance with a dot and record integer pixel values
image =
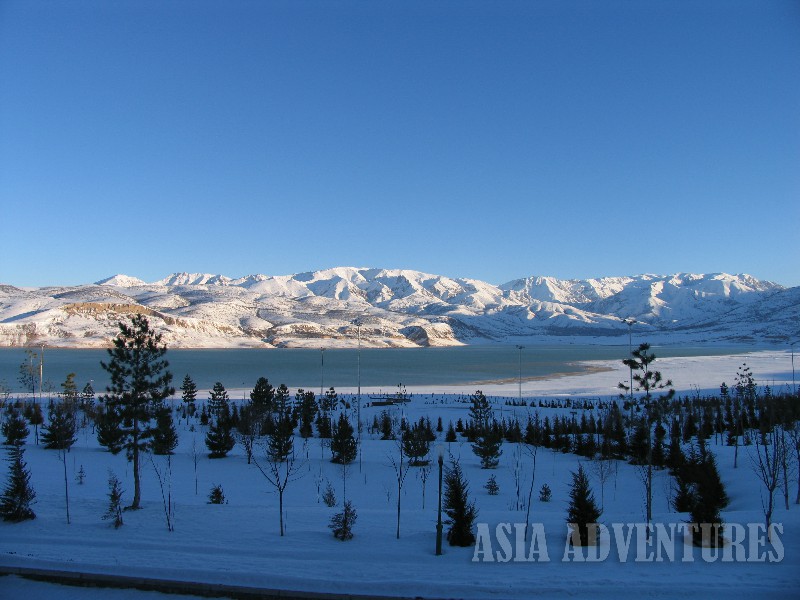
(400, 308)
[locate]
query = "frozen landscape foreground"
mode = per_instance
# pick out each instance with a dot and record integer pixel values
(239, 542)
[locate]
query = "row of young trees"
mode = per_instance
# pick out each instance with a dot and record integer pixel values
(133, 416)
(653, 430)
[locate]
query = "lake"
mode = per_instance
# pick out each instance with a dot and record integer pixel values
(311, 369)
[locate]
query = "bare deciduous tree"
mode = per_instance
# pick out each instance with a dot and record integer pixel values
(767, 466)
(532, 450)
(794, 435)
(400, 467)
(423, 473)
(603, 468)
(165, 484)
(516, 470)
(279, 471)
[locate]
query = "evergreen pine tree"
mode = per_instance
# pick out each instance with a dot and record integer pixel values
(69, 390)
(217, 495)
(188, 392)
(235, 415)
(139, 381)
(109, 429)
(324, 429)
(342, 522)
(15, 503)
(386, 426)
(480, 411)
(450, 436)
(700, 491)
(675, 457)
(416, 445)
(344, 447)
(638, 444)
(87, 396)
(645, 379)
(218, 401)
(329, 495)
(36, 418)
(461, 513)
(59, 433)
(308, 410)
(281, 441)
(14, 428)
(487, 447)
(658, 456)
(165, 436)
(262, 396)
(327, 403)
(220, 439)
(492, 487)
(545, 494)
(114, 511)
(582, 509)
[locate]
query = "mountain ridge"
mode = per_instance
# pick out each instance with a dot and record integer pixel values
(400, 308)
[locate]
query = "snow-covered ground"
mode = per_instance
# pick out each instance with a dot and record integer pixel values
(239, 543)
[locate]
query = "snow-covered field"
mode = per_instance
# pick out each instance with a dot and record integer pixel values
(239, 543)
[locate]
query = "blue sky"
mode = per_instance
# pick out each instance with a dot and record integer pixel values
(491, 140)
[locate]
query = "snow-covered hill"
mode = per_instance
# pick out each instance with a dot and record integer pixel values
(397, 307)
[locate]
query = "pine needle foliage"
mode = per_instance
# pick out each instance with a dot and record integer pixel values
(140, 381)
(342, 522)
(344, 447)
(461, 513)
(583, 509)
(59, 433)
(14, 428)
(114, 511)
(17, 498)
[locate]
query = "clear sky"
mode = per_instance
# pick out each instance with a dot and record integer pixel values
(491, 140)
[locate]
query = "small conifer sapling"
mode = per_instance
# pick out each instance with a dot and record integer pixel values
(114, 512)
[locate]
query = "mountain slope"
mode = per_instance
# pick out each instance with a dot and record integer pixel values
(397, 307)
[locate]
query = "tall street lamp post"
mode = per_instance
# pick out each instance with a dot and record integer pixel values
(41, 372)
(630, 322)
(358, 322)
(321, 372)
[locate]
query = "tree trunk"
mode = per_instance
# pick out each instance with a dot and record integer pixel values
(649, 501)
(797, 500)
(530, 496)
(280, 506)
(137, 493)
(768, 517)
(785, 466)
(785, 485)
(66, 482)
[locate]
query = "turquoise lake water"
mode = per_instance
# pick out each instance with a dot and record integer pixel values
(384, 368)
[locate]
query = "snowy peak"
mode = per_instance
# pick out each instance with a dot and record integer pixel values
(122, 281)
(194, 279)
(399, 307)
(661, 287)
